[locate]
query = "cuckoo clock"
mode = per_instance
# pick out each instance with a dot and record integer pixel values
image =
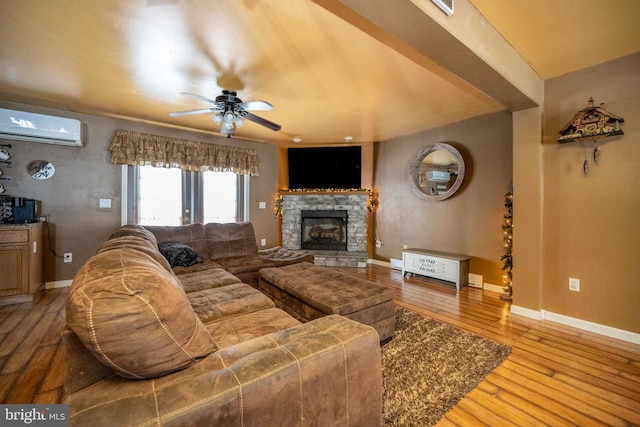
(590, 125)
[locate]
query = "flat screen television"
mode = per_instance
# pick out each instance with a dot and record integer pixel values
(324, 167)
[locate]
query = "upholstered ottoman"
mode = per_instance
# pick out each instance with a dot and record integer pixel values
(308, 291)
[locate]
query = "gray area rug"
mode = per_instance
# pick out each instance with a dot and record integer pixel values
(429, 366)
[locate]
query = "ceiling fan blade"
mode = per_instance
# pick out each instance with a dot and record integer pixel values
(256, 106)
(191, 112)
(200, 97)
(259, 120)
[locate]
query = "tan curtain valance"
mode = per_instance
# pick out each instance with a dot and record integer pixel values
(134, 148)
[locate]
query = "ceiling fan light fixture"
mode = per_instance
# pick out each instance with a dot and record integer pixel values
(229, 117)
(230, 112)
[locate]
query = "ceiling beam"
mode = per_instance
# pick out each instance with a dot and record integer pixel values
(463, 48)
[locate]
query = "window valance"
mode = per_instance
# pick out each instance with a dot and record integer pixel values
(134, 148)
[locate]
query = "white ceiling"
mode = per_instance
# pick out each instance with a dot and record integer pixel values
(325, 76)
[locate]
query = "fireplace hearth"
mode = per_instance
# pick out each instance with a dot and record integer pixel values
(324, 229)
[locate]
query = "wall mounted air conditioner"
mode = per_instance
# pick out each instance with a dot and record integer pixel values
(23, 126)
(438, 176)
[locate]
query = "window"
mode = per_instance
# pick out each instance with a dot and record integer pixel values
(171, 196)
(159, 196)
(219, 196)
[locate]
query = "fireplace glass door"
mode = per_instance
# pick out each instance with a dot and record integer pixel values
(324, 230)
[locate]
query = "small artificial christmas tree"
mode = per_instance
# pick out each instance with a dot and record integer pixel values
(507, 238)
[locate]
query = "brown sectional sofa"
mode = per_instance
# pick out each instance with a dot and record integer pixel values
(150, 344)
(231, 246)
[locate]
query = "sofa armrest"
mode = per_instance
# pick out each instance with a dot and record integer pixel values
(324, 372)
(278, 253)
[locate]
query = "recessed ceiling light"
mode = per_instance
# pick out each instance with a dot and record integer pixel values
(348, 138)
(297, 140)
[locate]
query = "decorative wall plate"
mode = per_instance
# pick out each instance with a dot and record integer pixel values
(41, 169)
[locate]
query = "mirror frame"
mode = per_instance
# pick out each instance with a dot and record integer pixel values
(414, 167)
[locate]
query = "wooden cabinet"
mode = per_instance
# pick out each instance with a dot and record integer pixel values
(21, 262)
(439, 265)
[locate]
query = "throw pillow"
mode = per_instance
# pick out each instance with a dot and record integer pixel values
(179, 254)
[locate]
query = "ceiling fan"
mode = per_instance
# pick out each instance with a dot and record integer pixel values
(229, 111)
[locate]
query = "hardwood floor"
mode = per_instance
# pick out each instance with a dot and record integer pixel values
(555, 375)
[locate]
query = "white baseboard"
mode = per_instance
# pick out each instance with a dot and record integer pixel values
(58, 284)
(526, 312)
(493, 288)
(577, 323)
(379, 262)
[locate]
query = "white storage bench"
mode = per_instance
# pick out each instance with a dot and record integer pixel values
(438, 265)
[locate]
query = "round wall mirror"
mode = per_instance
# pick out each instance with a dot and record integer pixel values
(436, 172)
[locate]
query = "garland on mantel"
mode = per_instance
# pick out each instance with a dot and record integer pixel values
(371, 205)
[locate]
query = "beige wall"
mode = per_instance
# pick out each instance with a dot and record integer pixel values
(84, 175)
(527, 209)
(469, 222)
(591, 226)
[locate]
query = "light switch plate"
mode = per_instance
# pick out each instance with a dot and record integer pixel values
(105, 203)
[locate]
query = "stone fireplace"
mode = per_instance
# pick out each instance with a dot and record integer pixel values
(334, 228)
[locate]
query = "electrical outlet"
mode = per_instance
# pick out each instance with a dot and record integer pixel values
(405, 247)
(574, 284)
(378, 243)
(68, 257)
(263, 242)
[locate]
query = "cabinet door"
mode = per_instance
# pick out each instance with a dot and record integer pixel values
(14, 266)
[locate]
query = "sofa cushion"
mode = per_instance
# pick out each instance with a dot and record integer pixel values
(279, 256)
(212, 305)
(229, 240)
(246, 264)
(207, 264)
(134, 317)
(135, 242)
(233, 330)
(178, 254)
(197, 280)
(191, 235)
